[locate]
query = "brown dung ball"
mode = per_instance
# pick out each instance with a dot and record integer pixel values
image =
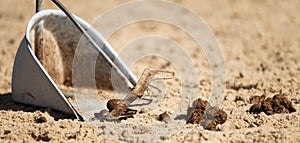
(112, 104)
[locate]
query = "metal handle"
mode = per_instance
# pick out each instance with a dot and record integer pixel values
(38, 40)
(38, 6)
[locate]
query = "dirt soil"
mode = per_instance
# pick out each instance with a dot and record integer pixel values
(260, 41)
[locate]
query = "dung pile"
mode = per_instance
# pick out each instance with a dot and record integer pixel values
(207, 116)
(278, 104)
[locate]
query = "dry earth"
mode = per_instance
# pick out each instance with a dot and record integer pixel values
(260, 42)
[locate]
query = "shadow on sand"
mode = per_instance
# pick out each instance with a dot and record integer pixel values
(7, 104)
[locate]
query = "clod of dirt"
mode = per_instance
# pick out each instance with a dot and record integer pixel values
(207, 116)
(165, 117)
(41, 136)
(40, 119)
(278, 104)
(239, 98)
(296, 101)
(7, 132)
(257, 99)
(242, 86)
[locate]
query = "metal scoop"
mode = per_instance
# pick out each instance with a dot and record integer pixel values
(32, 83)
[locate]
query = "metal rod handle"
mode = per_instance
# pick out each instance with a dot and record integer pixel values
(38, 6)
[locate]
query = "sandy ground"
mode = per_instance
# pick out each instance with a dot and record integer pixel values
(260, 44)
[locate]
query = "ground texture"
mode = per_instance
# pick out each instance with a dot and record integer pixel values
(260, 42)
